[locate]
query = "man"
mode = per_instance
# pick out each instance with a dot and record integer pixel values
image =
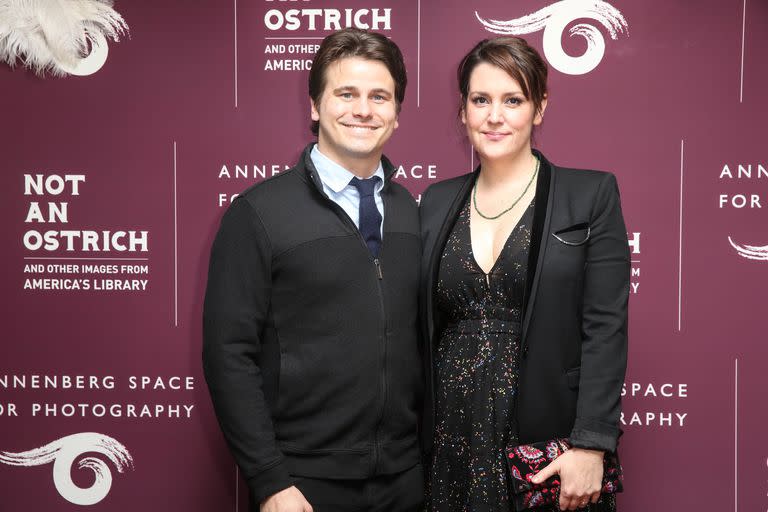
(310, 328)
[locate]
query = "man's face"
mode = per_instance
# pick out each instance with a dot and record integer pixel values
(357, 113)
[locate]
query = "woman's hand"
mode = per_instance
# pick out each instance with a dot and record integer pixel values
(581, 477)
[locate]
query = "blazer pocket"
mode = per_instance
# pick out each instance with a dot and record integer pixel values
(572, 377)
(578, 234)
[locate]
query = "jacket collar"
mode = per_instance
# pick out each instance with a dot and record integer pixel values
(307, 167)
(542, 215)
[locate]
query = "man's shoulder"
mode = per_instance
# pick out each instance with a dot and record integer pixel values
(401, 194)
(273, 190)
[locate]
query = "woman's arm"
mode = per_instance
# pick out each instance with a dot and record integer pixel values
(603, 354)
(604, 323)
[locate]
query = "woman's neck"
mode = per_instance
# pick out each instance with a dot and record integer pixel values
(500, 172)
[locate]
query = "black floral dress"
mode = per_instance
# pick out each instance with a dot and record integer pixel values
(476, 370)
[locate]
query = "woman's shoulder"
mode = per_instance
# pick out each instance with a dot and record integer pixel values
(586, 176)
(583, 181)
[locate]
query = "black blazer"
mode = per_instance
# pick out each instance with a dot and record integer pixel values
(574, 332)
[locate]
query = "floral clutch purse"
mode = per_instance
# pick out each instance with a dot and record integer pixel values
(526, 460)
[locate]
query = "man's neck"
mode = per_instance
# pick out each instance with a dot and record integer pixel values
(361, 167)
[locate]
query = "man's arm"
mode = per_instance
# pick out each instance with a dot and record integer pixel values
(236, 304)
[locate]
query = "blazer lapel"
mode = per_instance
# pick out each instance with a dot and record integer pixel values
(542, 216)
(440, 240)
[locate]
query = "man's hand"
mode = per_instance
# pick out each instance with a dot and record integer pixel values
(287, 500)
(581, 477)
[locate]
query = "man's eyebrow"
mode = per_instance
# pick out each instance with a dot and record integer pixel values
(348, 88)
(344, 88)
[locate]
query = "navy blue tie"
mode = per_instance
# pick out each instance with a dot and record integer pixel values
(370, 218)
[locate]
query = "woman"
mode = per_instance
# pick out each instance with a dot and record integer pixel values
(526, 279)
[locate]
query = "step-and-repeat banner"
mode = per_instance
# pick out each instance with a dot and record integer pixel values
(113, 181)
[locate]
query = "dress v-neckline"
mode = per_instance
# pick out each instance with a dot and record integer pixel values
(503, 247)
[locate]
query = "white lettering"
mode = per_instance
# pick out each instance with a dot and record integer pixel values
(223, 199)
(8, 410)
(650, 418)
(329, 19)
(666, 390)
(740, 201)
(54, 184)
(634, 243)
(417, 171)
(137, 241)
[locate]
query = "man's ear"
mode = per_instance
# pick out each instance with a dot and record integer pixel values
(313, 110)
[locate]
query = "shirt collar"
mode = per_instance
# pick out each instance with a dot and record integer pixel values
(336, 177)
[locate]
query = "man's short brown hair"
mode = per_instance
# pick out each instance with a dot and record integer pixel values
(353, 42)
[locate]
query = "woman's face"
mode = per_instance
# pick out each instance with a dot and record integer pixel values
(498, 117)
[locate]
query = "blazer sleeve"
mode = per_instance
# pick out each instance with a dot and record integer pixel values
(236, 306)
(604, 323)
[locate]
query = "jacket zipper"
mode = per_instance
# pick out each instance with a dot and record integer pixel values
(376, 444)
(380, 277)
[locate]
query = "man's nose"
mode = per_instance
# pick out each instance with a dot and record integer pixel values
(362, 108)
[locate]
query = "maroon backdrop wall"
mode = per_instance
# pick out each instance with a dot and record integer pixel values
(206, 98)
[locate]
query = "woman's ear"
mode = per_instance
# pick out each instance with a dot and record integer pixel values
(539, 117)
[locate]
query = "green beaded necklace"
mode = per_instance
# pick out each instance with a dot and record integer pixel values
(474, 195)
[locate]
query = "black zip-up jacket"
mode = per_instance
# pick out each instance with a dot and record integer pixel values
(310, 345)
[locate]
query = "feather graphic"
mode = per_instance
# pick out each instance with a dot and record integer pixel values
(554, 19)
(751, 252)
(64, 452)
(58, 36)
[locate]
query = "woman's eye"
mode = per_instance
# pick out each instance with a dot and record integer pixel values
(514, 101)
(479, 100)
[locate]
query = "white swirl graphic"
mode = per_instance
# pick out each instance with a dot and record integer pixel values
(751, 252)
(64, 452)
(554, 19)
(94, 61)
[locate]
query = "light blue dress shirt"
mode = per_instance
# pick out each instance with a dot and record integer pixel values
(336, 178)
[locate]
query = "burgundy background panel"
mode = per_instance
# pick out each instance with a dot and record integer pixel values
(161, 131)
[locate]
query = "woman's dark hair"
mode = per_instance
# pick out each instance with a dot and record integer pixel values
(353, 42)
(515, 56)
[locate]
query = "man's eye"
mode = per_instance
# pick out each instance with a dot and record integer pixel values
(378, 97)
(346, 95)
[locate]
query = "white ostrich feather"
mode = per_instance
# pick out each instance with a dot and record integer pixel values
(54, 35)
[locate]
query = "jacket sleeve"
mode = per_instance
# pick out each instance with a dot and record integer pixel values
(604, 323)
(237, 300)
